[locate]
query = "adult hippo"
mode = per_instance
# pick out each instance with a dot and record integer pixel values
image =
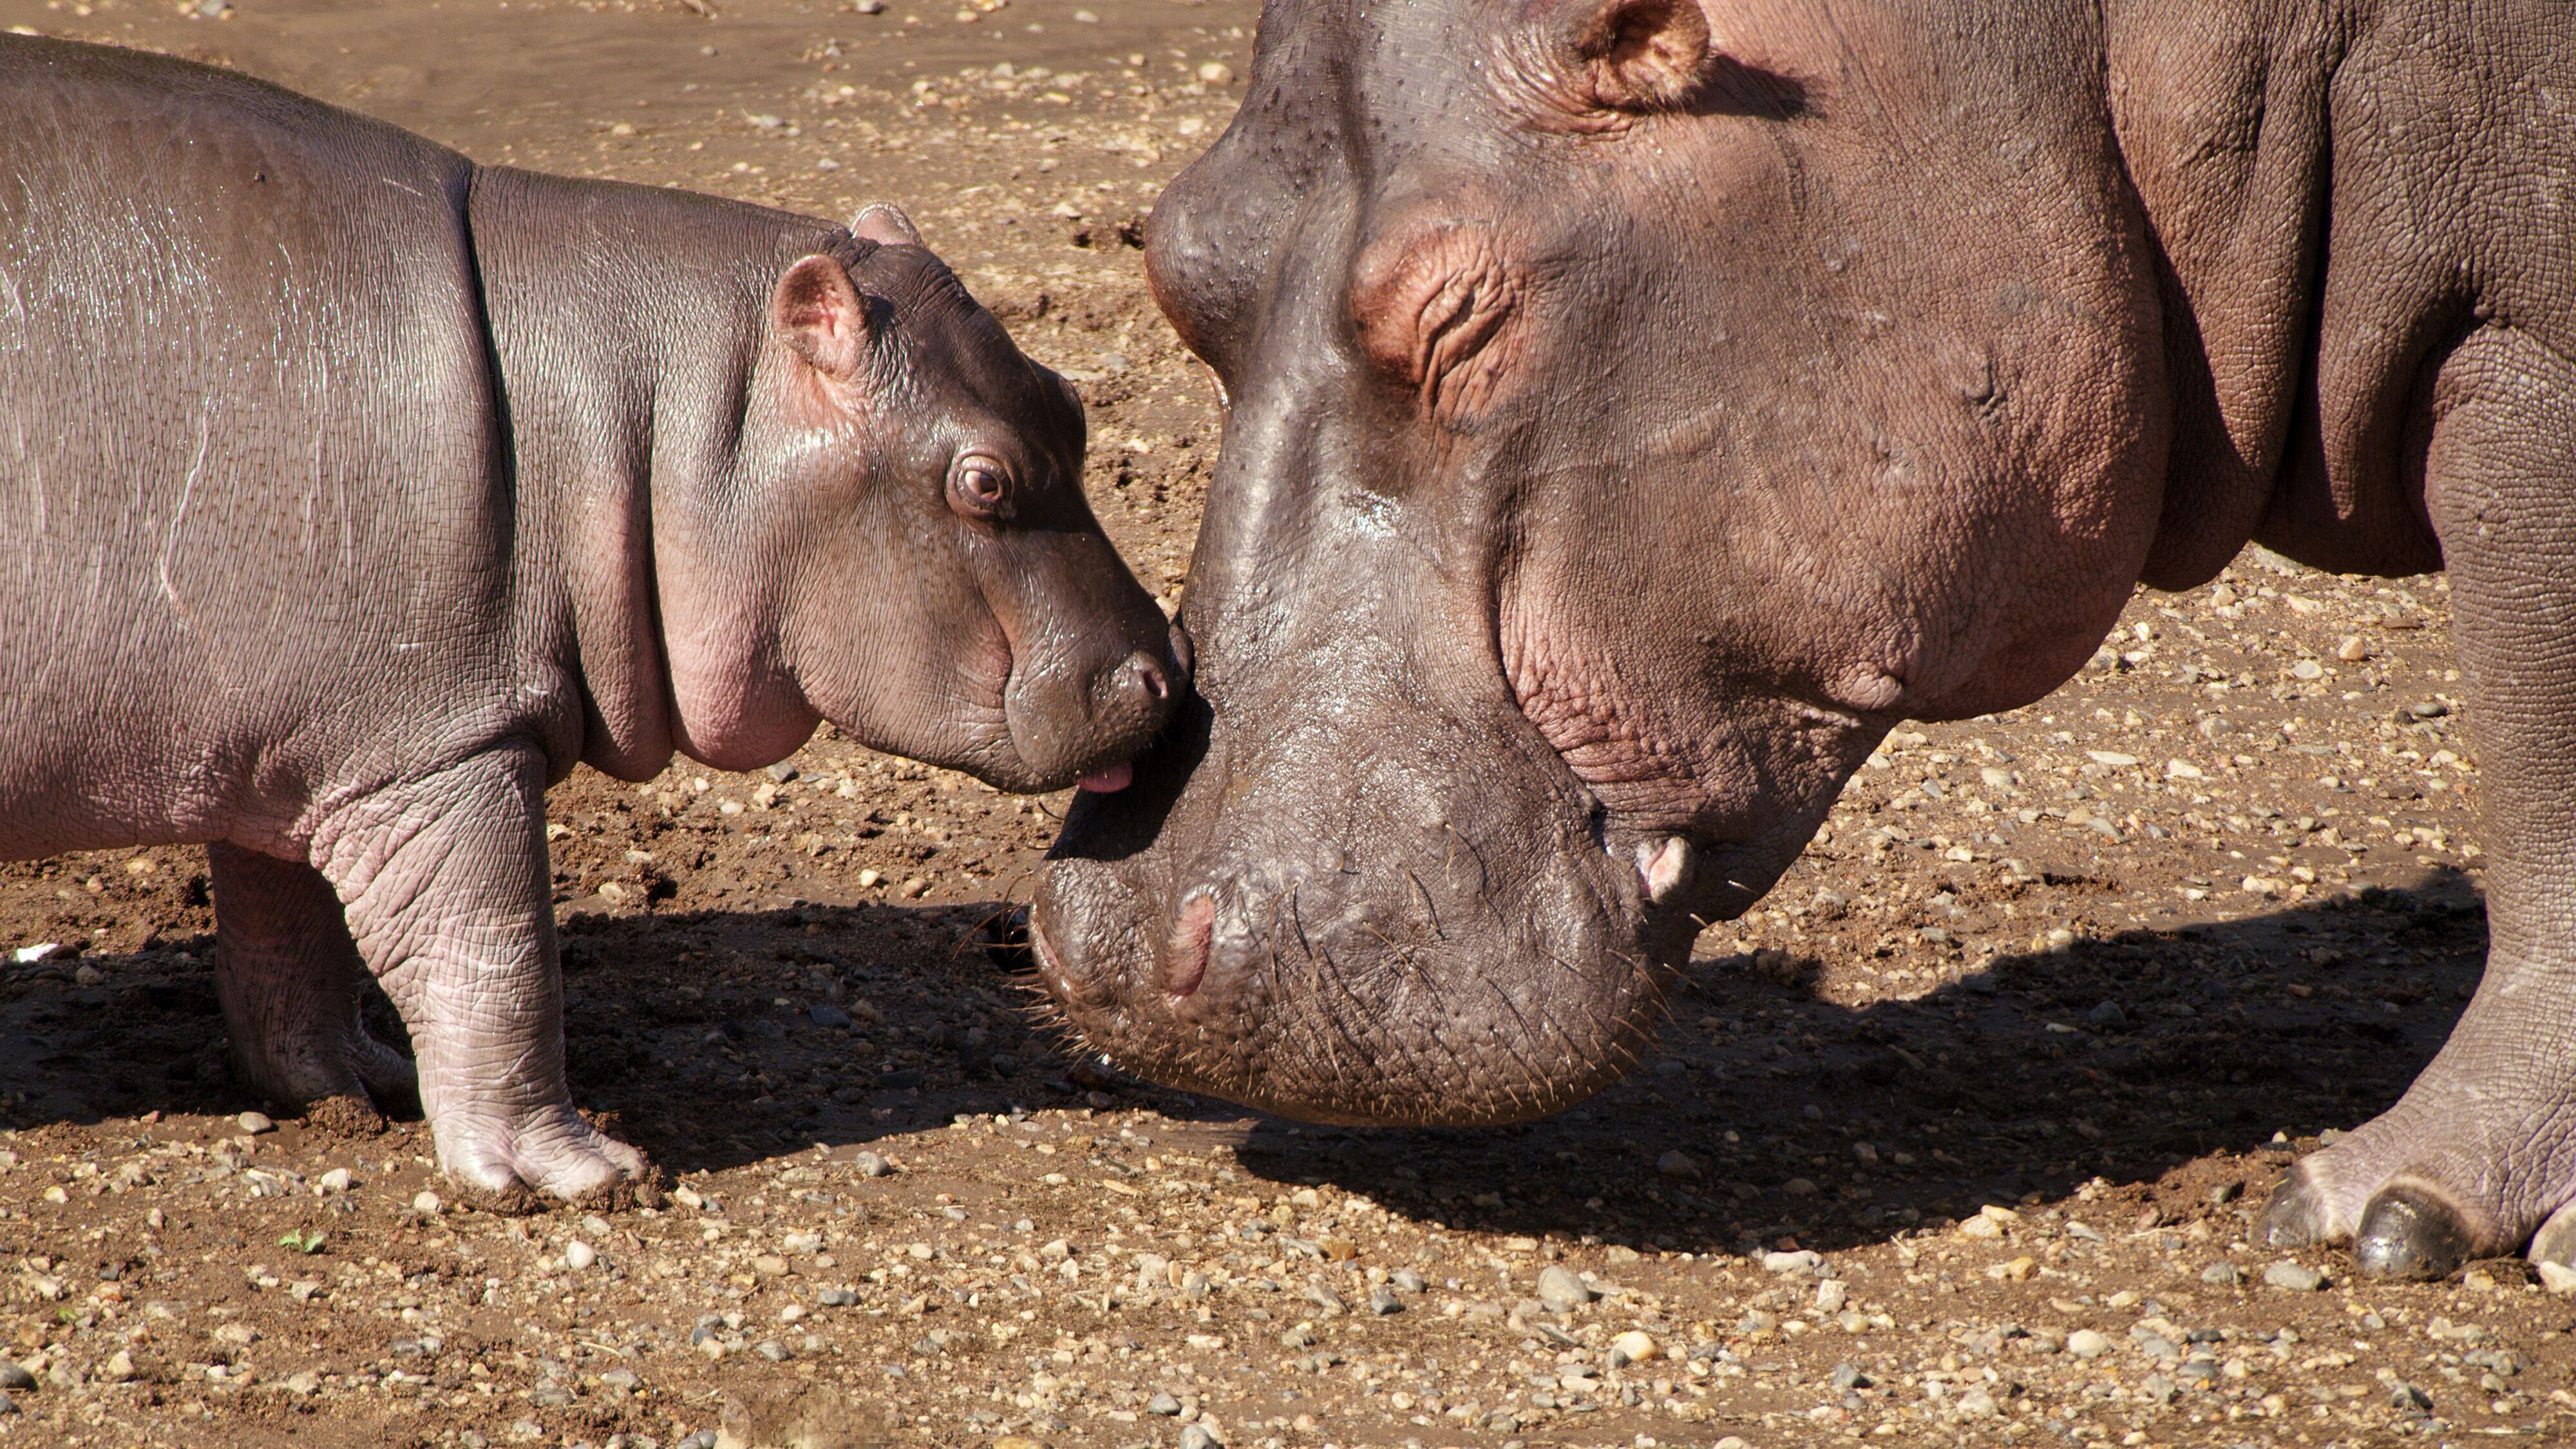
(1638, 405)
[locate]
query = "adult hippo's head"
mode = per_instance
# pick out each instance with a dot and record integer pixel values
(1635, 406)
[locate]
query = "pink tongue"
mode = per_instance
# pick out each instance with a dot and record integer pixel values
(1110, 781)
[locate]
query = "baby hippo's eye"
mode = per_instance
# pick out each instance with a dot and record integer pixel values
(979, 486)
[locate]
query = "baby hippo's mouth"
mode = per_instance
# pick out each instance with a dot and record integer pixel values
(1109, 781)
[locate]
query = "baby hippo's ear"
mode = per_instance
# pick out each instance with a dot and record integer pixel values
(885, 224)
(819, 313)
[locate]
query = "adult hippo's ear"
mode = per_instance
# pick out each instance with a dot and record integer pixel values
(821, 316)
(1616, 58)
(1643, 55)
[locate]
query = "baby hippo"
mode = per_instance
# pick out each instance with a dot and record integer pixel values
(350, 493)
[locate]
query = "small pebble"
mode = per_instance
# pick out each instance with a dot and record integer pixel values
(1634, 1346)
(1323, 1297)
(1677, 1163)
(579, 1255)
(2558, 1278)
(2088, 1343)
(2407, 1397)
(1162, 1404)
(426, 1202)
(14, 1375)
(1382, 1301)
(1830, 1295)
(338, 1180)
(255, 1123)
(1199, 1436)
(1848, 1376)
(1561, 1290)
(2297, 1277)
(2222, 1273)
(870, 1164)
(1802, 1261)
(825, 1013)
(1408, 1280)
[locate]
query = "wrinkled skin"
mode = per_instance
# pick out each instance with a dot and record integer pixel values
(350, 494)
(1636, 406)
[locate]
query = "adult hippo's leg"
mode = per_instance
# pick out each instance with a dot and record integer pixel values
(288, 973)
(2479, 1156)
(444, 881)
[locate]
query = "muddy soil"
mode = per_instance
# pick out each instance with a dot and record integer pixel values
(1957, 1139)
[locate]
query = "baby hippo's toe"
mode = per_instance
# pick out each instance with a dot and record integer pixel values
(512, 1165)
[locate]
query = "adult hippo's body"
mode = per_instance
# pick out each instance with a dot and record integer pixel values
(1636, 406)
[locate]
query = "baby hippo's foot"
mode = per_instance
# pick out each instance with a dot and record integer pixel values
(515, 1161)
(2471, 1163)
(338, 1076)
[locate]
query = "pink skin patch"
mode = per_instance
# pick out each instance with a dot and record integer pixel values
(1110, 781)
(1186, 966)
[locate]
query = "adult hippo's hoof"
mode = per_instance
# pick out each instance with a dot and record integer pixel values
(2406, 1230)
(2409, 1232)
(2296, 1215)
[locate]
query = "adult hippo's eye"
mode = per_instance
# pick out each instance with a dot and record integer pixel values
(979, 486)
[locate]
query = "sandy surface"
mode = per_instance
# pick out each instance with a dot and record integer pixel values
(2016, 1051)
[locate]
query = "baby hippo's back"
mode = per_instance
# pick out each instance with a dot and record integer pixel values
(250, 494)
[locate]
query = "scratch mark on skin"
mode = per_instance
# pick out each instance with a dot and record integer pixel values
(179, 519)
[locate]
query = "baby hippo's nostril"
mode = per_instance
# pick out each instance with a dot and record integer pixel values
(1185, 963)
(1143, 674)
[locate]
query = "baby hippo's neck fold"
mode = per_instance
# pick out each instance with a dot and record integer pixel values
(625, 324)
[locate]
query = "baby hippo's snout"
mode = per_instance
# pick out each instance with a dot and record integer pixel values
(1084, 717)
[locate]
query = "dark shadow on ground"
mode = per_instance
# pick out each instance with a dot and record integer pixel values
(2120, 1058)
(719, 1038)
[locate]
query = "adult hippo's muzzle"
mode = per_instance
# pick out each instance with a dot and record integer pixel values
(1389, 934)
(1353, 883)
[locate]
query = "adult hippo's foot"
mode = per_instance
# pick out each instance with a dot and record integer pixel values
(2479, 1156)
(2473, 1162)
(287, 974)
(443, 880)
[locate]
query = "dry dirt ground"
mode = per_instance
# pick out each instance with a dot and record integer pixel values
(1957, 1140)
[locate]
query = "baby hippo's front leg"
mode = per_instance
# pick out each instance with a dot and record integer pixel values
(444, 880)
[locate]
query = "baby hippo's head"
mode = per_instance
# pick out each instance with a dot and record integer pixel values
(908, 506)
